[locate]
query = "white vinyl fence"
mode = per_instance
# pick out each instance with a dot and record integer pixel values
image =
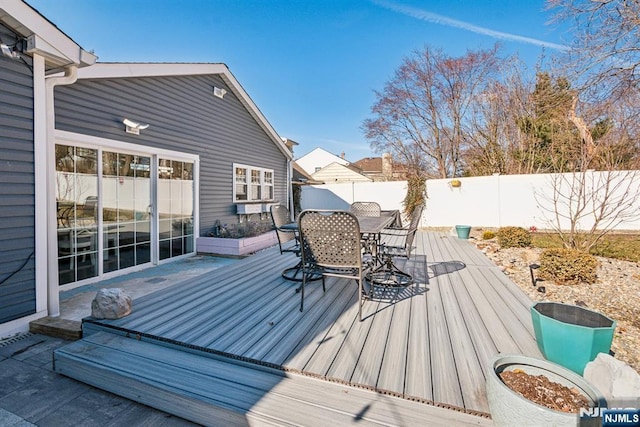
(495, 201)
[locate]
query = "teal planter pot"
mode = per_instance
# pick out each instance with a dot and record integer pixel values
(569, 335)
(463, 231)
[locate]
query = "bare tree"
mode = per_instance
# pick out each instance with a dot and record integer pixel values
(605, 52)
(496, 141)
(422, 115)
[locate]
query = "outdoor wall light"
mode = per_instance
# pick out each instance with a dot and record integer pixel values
(133, 127)
(219, 92)
(8, 51)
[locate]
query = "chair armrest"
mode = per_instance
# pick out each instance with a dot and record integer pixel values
(395, 231)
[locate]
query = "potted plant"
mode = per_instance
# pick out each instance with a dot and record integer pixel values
(557, 402)
(570, 335)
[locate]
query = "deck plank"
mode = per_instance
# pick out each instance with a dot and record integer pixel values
(418, 368)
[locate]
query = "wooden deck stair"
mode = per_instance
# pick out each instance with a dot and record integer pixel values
(214, 390)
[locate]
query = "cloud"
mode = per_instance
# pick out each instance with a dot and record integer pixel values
(427, 16)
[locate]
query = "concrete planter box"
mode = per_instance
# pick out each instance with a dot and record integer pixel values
(235, 247)
(508, 408)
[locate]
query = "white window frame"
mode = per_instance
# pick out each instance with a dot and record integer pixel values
(265, 187)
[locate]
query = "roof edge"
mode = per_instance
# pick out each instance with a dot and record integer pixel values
(43, 37)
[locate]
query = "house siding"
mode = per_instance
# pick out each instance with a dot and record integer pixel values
(17, 190)
(184, 116)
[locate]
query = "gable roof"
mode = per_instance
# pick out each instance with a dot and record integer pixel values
(319, 158)
(106, 70)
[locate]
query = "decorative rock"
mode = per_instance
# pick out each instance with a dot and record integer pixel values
(111, 303)
(616, 380)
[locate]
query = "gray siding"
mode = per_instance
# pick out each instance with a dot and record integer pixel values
(17, 190)
(185, 116)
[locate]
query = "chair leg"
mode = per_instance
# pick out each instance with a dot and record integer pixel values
(301, 290)
(360, 301)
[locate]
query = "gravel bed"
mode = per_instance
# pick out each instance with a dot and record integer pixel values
(616, 292)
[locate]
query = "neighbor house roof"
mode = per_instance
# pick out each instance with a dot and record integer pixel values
(300, 176)
(336, 172)
(369, 164)
(105, 70)
(317, 159)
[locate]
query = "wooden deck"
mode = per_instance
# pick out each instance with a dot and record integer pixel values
(430, 343)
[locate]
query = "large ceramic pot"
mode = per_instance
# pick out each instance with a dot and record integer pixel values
(570, 335)
(509, 408)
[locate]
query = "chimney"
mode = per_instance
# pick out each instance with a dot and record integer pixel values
(342, 155)
(387, 166)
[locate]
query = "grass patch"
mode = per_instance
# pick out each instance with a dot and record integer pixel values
(619, 246)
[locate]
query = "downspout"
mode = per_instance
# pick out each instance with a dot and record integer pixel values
(290, 189)
(53, 296)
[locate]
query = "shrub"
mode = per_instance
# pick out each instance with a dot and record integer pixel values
(568, 266)
(513, 237)
(488, 235)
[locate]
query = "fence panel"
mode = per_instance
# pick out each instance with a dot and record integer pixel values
(489, 201)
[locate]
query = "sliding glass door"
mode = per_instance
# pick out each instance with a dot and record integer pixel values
(118, 210)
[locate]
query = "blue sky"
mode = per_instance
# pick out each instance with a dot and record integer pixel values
(310, 66)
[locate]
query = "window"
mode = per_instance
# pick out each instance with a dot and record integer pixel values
(252, 183)
(268, 185)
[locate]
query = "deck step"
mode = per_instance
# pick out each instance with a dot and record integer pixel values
(57, 327)
(212, 390)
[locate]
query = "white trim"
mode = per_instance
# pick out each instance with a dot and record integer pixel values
(196, 200)
(44, 38)
(132, 70)
(110, 70)
(89, 141)
(40, 180)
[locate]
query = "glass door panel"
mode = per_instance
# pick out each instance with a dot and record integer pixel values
(77, 212)
(126, 221)
(175, 208)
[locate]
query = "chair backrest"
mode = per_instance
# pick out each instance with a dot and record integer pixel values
(280, 216)
(365, 209)
(416, 215)
(330, 239)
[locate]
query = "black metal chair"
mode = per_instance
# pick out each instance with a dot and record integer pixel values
(280, 216)
(331, 246)
(399, 241)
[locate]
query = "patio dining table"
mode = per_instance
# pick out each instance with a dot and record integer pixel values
(370, 226)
